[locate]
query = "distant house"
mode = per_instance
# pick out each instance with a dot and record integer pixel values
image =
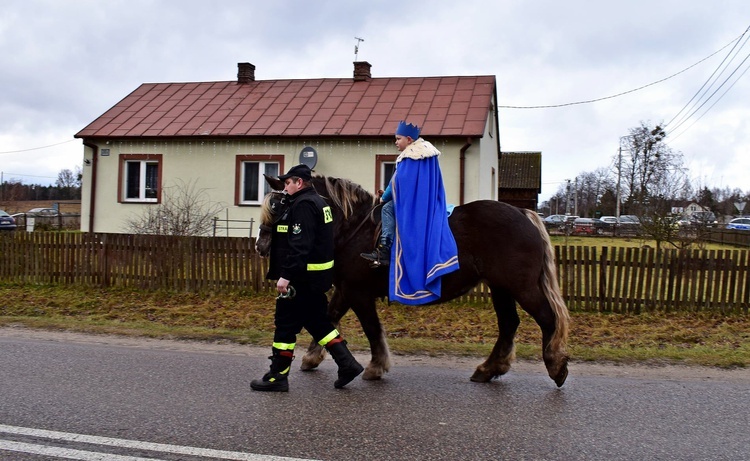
(222, 136)
(520, 180)
(687, 208)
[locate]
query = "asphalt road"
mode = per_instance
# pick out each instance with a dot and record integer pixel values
(106, 398)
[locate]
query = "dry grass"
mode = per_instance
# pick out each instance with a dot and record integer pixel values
(626, 242)
(467, 329)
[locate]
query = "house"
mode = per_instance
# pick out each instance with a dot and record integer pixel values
(222, 136)
(520, 179)
(687, 208)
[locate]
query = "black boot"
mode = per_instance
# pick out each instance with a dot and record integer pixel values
(349, 368)
(276, 379)
(381, 256)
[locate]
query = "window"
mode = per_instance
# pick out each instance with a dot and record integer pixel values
(384, 169)
(140, 178)
(251, 185)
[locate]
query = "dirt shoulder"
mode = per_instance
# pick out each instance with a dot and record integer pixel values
(665, 371)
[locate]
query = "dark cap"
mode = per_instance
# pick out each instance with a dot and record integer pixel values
(301, 171)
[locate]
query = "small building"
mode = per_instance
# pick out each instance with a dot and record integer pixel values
(221, 137)
(520, 181)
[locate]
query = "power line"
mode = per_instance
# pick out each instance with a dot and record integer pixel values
(687, 117)
(711, 76)
(712, 105)
(36, 148)
(28, 175)
(624, 92)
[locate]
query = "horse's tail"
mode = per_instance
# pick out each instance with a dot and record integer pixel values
(551, 288)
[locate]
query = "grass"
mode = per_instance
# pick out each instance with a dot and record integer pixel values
(625, 242)
(697, 338)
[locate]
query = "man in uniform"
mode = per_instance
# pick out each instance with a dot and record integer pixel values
(302, 260)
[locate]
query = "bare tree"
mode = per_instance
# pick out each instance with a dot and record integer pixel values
(185, 210)
(592, 186)
(648, 156)
(66, 178)
(67, 183)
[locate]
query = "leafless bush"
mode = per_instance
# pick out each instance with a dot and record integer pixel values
(185, 210)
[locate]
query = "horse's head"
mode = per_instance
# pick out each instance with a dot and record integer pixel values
(274, 205)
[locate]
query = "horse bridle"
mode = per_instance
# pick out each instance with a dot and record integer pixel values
(278, 206)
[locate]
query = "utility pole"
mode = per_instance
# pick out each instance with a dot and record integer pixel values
(619, 174)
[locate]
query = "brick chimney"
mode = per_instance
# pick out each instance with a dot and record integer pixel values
(245, 72)
(362, 71)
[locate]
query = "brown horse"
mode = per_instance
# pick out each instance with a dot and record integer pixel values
(505, 247)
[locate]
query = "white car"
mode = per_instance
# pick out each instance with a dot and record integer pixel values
(739, 223)
(43, 212)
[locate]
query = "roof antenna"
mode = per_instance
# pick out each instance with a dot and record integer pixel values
(356, 47)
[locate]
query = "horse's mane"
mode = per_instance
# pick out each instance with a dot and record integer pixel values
(344, 194)
(266, 213)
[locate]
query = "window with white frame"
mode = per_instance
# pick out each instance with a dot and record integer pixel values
(252, 185)
(140, 178)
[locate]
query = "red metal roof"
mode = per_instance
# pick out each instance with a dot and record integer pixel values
(445, 106)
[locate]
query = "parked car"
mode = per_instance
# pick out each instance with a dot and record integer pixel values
(43, 212)
(7, 222)
(703, 218)
(611, 220)
(590, 226)
(554, 219)
(739, 224)
(629, 219)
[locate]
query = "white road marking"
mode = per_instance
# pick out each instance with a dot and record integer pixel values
(66, 453)
(124, 443)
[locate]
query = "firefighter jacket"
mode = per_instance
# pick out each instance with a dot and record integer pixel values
(309, 258)
(279, 245)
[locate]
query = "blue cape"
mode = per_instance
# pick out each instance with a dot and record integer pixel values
(424, 247)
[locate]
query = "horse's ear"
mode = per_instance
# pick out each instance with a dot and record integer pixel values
(275, 183)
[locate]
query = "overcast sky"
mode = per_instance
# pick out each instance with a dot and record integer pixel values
(65, 62)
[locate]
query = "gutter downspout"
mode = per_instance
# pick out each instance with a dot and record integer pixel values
(92, 201)
(462, 171)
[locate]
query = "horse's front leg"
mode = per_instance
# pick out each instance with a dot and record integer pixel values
(380, 360)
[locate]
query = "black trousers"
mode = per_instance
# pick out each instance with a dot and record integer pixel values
(308, 309)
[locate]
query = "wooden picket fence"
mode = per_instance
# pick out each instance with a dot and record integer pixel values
(625, 280)
(149, 262)
(637, 279)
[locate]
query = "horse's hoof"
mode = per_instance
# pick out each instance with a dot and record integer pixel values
(372, 373)
(310, 363)
(480, 376)
(562, 375)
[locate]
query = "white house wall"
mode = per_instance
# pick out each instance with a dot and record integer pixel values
(210, 165)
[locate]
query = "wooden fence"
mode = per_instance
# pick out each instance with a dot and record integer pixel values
(638, 279)
(605, 280)
(148, 262)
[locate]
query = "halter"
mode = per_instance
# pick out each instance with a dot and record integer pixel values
(277, 207)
